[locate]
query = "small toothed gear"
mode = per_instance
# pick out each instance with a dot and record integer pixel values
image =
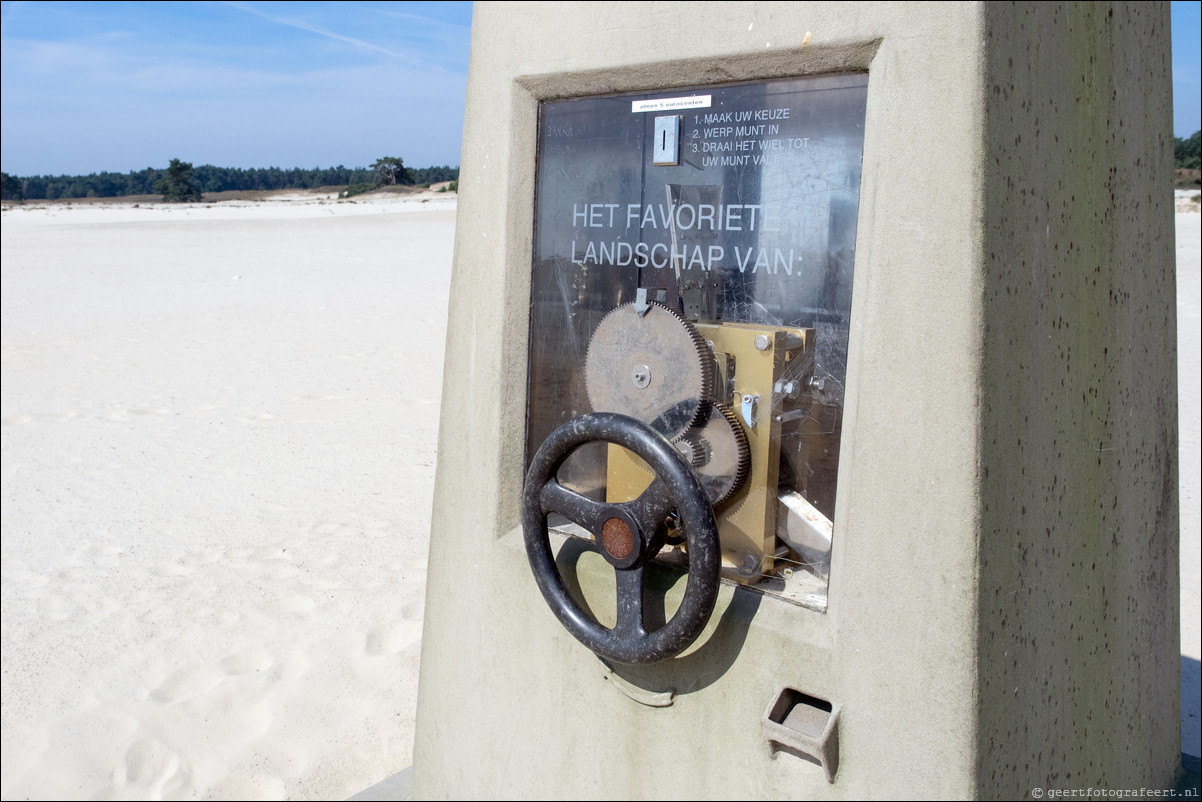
(652, 366)
(693, 447)
(728, 457)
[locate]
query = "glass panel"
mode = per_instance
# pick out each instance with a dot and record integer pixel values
(735, 206)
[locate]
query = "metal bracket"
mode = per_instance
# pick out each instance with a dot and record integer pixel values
(748, 408)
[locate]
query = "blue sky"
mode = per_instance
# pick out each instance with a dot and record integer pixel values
(1187, 67)
(120, 86)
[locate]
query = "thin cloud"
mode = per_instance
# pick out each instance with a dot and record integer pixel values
(310, 28)
(437, 31)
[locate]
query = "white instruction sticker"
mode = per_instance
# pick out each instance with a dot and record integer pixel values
(669, 103)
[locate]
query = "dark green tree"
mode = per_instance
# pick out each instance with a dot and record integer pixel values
(176, 185)
(432, 175)
(206, 178)
(10, 188)
(1187, 153)
(390, 171)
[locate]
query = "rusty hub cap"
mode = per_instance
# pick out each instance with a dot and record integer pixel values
(616, 538)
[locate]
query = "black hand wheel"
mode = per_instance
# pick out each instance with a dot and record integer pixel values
(627, 536)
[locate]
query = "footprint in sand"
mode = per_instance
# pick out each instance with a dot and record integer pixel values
(297, 604)
(391, 638)
(99, 607)
(57, 608)
(29, 584)
(373, 526)
(174, 569)
(149, 764)
(206, 557)
(248, 661)
(412, 611)
(186, 683)
(249, 786)
(277, 553)
(106, 556)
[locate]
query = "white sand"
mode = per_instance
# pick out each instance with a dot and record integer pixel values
(219, 433)
(1189, 418)
(218, 445)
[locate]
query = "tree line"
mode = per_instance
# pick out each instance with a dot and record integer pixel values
(207, 178)
(1187, 153)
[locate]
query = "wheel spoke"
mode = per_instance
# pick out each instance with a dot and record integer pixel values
(653, 506)
(583, 512)
(630, 604)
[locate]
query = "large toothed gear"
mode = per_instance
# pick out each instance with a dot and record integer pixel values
(727, 453)
(654, 367)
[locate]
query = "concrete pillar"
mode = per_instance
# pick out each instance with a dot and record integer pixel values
(1003, 598)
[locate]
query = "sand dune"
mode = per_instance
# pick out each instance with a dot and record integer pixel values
(219, 432)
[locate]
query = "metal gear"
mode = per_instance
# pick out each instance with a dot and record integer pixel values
(693, 447)
(728, 453)
(653, 366)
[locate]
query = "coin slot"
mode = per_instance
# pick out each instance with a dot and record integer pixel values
(804, 726)
(666, 148)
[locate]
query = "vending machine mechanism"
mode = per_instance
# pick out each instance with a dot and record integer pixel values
(690, 311)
